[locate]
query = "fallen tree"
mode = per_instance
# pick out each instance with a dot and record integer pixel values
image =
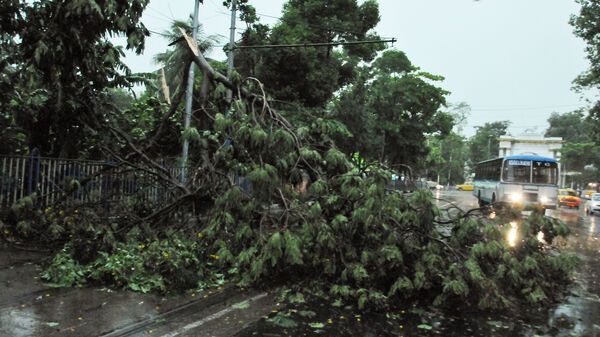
(242, 218)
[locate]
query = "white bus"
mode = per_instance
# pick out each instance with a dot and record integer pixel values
(525, 180)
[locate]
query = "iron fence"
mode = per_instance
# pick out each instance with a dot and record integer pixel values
(74, 181)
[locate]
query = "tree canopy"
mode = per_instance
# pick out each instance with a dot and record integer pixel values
(315, 68)
(579, 150)
(484, 144)
(586, 27)
(390, 109)
(56, 52)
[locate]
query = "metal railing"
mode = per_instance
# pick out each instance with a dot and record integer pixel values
(74, 181)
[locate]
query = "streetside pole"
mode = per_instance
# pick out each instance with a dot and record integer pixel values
(230, 51)
(189, 96)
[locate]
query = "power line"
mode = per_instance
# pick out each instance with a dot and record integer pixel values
(529, 108)
(317, 44)
(159, 33)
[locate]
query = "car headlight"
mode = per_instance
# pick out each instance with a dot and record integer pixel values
(515, 197)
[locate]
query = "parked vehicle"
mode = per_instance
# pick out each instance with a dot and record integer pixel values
(568, 197)
(593, 204)
(468, 186)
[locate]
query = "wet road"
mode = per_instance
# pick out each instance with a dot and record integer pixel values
(28, 307)
(32, 308)
(579, 314)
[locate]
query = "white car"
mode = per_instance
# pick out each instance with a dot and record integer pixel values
(592, 205)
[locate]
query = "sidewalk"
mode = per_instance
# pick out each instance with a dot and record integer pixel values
(29, 307)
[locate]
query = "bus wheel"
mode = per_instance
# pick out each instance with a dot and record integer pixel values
(480, 202)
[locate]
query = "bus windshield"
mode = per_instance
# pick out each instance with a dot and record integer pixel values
(530, 171)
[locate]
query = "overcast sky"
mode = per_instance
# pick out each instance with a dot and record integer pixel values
(509, 60)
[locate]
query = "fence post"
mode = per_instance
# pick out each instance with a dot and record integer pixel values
(34, 171)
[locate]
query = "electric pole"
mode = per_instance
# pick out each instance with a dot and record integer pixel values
(189, 96)
(230, 50)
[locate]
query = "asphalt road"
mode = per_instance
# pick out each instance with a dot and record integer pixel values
(579, 314)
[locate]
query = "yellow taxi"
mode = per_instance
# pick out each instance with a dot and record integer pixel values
(468, 186)
(568, 197)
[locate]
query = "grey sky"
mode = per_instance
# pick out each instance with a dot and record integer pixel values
(508, 59)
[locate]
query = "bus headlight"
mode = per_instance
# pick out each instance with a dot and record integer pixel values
(515, 197)
(544, 199)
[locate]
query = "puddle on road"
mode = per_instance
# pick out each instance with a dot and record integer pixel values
(23, 321)
(321, 319)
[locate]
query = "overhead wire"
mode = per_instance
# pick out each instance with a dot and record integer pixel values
(518, 108)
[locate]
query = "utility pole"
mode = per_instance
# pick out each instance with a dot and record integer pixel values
(189, 96)
(449, 169)
(230, 50)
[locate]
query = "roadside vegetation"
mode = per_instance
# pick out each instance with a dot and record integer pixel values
(285, 185)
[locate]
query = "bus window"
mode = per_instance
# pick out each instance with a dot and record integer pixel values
(545, 173)
(517, 171)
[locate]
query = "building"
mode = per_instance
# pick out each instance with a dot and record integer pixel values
(533, 144)
(530, 144)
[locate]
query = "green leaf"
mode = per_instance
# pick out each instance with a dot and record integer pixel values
(282, 320)
(241, 305)
(537, 295)
(192, 134)
(293, 253)
(359, 273)
(424, 327)
(337, 303)
(258, 137)
(296, 298)
(402, 284)
(362, 300)
(475, 272)
(307, 313)
(274, 248)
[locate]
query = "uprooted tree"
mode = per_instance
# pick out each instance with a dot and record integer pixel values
(243, 217)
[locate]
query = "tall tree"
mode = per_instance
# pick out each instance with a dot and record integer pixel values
(587, 27)
(446, 159)
(459, 112)
(579, 149)
(391, 108)
(571, 126)
(57, 74)
(310, 74)
(484, 144)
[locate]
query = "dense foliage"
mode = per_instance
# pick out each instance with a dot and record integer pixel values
(352, 242)
(586, 27)
(579, 153)
(269, 202)
(485, 144)
(310, 75)
(390, 110)
(53, 54)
